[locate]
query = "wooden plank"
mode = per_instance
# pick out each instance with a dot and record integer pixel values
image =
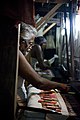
(55, 20)
(52, 25)
(47, 17)
(16, 79)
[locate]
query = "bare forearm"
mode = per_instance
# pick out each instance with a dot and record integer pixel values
(27, 72)
(48, 85)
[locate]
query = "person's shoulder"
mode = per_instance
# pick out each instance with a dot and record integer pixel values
(35, 49)
(36, 46)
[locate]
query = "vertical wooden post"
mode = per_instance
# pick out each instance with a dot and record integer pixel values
(72, 34)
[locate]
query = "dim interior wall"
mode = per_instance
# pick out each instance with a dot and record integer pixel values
(50, 42)
(77, 47)
(77, 57)
(8, 69)
(58, 42)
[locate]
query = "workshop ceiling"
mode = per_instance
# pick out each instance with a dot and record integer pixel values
(42, 7)
(51, 11)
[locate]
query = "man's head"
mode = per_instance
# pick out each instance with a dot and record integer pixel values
(23, 46)
(41, 41)
(28, 34)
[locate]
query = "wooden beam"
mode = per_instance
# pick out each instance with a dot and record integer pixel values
(52, 25)
(52, 1)
(46, 21)
(55, 20)
(47, 17)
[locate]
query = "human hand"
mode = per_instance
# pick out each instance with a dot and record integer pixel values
(64, 88)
